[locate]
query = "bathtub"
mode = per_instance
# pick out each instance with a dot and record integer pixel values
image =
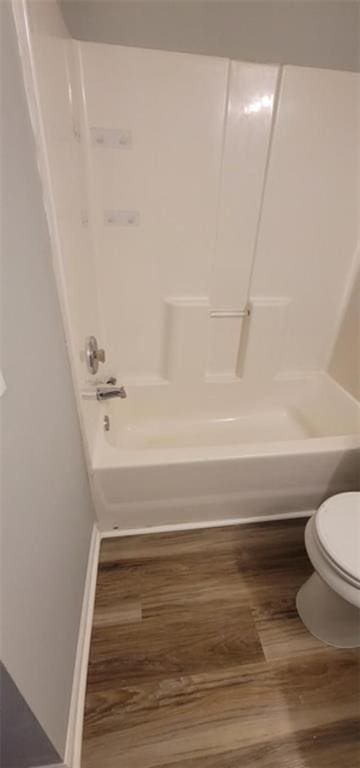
(229, 453)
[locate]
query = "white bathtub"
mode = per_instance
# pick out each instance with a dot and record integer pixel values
(227, 454)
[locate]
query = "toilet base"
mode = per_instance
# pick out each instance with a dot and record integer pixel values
(327, 616)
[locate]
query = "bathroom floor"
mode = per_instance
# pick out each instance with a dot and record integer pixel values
(198, 658)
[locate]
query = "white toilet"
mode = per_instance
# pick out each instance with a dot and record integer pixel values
(329, 601)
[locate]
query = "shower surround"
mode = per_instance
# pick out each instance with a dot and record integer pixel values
(204, 219)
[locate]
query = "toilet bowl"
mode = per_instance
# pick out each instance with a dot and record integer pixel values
(329, 601)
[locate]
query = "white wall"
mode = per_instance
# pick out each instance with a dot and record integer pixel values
(313, 33)
(47, 515)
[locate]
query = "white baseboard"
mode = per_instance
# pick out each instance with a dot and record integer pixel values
(114, 533)
(53, 765)
(76, 714)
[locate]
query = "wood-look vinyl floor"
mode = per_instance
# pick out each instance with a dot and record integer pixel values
(199, 660)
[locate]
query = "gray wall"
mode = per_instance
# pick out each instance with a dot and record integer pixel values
(46, 510)
(308, 33)
(23, 743)
(344, 365)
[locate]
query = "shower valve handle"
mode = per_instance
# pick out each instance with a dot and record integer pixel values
(93, 354)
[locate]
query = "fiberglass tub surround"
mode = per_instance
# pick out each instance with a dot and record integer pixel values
(207, 236)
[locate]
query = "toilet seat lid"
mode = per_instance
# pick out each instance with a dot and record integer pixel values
(338, 528)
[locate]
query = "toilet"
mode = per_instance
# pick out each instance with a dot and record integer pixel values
(329, 601)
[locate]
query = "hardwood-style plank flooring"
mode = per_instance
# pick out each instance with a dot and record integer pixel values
(199, 660)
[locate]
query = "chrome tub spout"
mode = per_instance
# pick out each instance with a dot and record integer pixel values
(104, 392)
(108, 391)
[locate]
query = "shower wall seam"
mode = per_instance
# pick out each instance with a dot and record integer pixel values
(276, 103)
(245, 329)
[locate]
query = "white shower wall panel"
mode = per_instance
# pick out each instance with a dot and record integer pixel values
(239, 190)
(310, 218)
(193, 173)
(54, 90)
(64, 175)
(234, 182)
(173, 105)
